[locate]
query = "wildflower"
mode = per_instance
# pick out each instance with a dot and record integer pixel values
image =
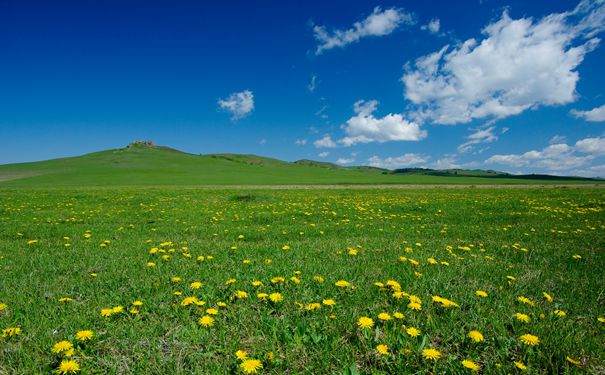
(601, 319)
(188, 301)
(398, 315)
(312, 306)
(365, 322)
(318, 278)
(212, 311)
(576, 257)
(526, 301)
(529, 339)
(195, 285)
(415, 306)
(384, 317)
(175, 279)
(241, 355)
(262, 295)
(150, 264)
(241, 294)
(206, 321)
(67, 366)
(414, 332)
(3, 306)
(481, 293)
(251, 366)
(11, 331)
(520, 366)
(522, 317)
(382, 349)
(106, 313)
(117, 309)
(276, 297)
(257, 283)
(137, 303)
(560, 313)
(230, 281)
(328, 302)
(84, 335)
(342, 284)
(476, 336)
(65, 299)
(432, 354)
(547, 296)
(470, 365)
(62, 346)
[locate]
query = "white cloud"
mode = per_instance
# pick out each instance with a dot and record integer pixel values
(479, 136)
(240, 104)
(379, 23)
(594, 146)
(312, 83)
(345, 160)
(447, 162)
(557, 139)
(594, 115)
(405, 160)
(262, 141)
(556, 157)
(365, 128)
(324, 154)
(518, 65)
(301, 142)
(433, 26)
(325, 142)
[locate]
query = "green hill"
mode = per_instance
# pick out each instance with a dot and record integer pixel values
(146, 164)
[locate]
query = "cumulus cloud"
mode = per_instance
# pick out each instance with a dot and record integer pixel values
(324, 154)
(479, 136)
(594, 146)
(594, 115)
(301, 142)
(240, 104)
(405, 160)
(555, 157)
(345, 160)
(517, 65)
(433, 26)
(325, 142)
(379, 23)
(312, 83)
(364, 127)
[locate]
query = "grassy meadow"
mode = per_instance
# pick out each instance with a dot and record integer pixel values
(323, 281)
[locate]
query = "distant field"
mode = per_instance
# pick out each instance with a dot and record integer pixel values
(377, 281)
(160, 166)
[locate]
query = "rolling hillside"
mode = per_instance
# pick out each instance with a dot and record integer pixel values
(142, 164)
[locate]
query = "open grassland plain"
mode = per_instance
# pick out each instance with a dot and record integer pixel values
(347, 281)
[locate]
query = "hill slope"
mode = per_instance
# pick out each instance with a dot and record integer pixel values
(155, 165)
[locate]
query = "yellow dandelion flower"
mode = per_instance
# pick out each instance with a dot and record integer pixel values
(188, 301)
(241, 294)
(106, 312)
(137, 303)
(257, 283)
(329, 302)
(342, 284)
(365, 322)
(212, 311)
(11, 331)
(520, 366)
(382, 349)
(195, 285)
(560, 313)
(384, 317)
(522, 317)
(85, 335)
(481, 293)
(276, 297)
(206, 321)
(251, 366)
(601, 319)
(398, 315)
(471, 365)
(65, 299)
(67, 366)
(414, 332)
(241, 355)
(547, 296)
(431, 354)
(117, 309)
(3, 306)
(476, 336)
(62, 346)
(529, 339)
(415, 306)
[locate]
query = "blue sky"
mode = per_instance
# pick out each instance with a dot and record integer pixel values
(507, 85)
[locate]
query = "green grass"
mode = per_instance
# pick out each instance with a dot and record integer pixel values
(484, 235)
(147, 166)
